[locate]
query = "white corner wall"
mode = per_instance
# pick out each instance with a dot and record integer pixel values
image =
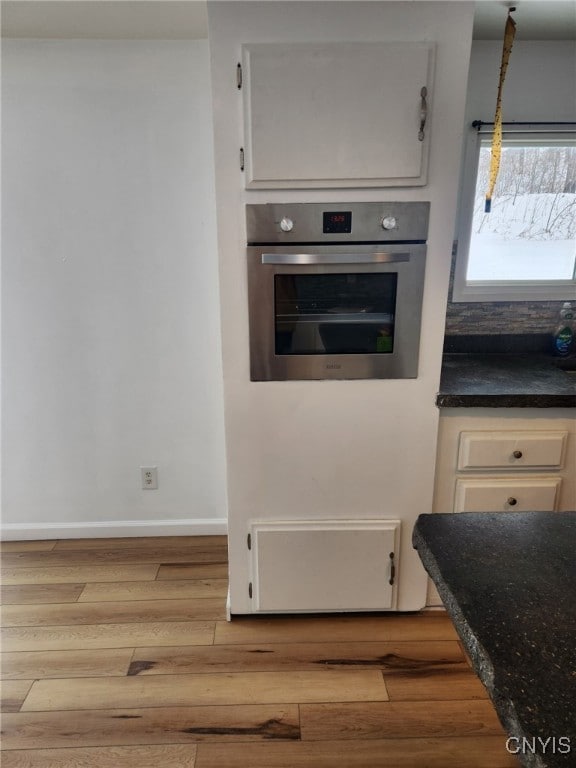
(111, 338)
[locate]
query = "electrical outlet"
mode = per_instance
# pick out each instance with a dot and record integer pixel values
(149, 478)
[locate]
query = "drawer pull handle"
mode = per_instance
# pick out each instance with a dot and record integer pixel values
(512, 501)
(517, 454)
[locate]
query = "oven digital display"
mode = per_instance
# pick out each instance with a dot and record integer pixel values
(335, 222)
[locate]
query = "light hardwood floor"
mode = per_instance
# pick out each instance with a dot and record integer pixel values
(116, 654)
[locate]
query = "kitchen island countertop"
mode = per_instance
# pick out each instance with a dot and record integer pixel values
(508, 582)
(505, 381)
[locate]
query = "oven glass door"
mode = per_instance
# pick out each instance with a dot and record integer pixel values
(335, 312)
(346, 313)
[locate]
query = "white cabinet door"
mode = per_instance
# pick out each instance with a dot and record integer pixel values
(324, 565)
(336, 114)
(507, 494)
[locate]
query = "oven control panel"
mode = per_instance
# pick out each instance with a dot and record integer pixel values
(384, 222)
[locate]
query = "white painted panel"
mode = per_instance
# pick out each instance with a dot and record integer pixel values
(433, 599)
(507, 495)
(324, 565)
(511, 450)
(335, 114)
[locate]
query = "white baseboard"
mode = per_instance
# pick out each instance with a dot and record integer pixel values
(113, 529)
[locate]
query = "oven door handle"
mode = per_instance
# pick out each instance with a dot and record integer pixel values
(334, 258)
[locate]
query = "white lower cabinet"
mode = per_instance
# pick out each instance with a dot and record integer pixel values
(323, 565)
(519, 460)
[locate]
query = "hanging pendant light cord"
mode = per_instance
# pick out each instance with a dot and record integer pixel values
(509, 32)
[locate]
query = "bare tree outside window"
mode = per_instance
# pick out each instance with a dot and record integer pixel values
(530, 233)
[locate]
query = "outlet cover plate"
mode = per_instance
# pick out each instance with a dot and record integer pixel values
(149, 476)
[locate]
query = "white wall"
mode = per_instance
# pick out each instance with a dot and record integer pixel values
(540, 81)
(341, 449)
(111, 345)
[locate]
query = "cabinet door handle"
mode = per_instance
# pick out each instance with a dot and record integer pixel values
(517, 454)
(423, 112)
(512, 501)
(392, 569)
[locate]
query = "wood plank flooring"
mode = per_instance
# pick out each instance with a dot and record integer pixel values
(116, 654)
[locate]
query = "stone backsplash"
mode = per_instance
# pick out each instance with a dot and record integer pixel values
(502, 317)
(499, 317)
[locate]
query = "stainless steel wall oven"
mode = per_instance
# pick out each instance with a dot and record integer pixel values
(335, 290)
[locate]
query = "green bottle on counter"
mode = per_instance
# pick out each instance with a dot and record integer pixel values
(564, 333)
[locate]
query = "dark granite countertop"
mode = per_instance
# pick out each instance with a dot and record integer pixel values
(480, 380)
(508, 581)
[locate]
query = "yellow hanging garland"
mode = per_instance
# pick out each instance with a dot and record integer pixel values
(509, 32)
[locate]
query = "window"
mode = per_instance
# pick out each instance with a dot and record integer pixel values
(525, 248)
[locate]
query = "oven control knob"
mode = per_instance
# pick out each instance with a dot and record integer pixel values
(389, 222)
(286, 224)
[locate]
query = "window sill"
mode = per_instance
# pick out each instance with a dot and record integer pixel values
(524, 292)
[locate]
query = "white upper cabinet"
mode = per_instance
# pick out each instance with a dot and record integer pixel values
(336, 114)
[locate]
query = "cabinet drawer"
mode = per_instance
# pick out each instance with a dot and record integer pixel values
(507, 494)
(511, 450)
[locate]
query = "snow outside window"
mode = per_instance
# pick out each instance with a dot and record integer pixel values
(525, 248)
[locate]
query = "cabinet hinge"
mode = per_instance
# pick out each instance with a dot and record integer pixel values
(239, 76)
(250, 590)
(241, 158)
(249, 541)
